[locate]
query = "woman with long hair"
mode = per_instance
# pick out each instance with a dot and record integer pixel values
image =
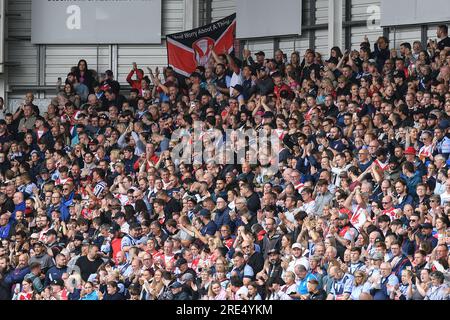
(84, 75)
(27, 292)
(360, 285)
(216, 291)
(155, 288)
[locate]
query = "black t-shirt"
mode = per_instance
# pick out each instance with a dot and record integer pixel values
(253, 203)
(444, 43)
(88, 267)
(256, 261)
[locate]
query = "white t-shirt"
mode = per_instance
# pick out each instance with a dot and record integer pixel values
(242, 291)
(445, 197)
(236, 79)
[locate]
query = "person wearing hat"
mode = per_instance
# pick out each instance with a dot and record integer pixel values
(272, 270)
(297, 258)
(426, 234)
(41, 256)
(58, 292)
(347, 233)
(178, 291)
(183, 267)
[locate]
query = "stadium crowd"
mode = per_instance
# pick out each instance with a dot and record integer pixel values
(93, 205)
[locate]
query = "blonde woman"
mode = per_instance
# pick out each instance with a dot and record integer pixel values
(360, 285)
(216, 291)
(156, 286)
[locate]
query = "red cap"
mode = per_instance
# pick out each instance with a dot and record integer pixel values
(410, 150)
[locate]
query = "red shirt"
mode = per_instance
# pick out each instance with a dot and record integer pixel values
(116, 245)
(135, 84)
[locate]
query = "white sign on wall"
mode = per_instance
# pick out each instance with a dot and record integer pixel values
(96, 22)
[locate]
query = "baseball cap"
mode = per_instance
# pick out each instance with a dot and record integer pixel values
(57, 282)
(34, 236)
(260, 53)
(297, 246)
(103, 116)
(426, 226)
(321, 134)
(410, 150)
(180, 262)
(273, 251)
(114, 228)
(44, 171)
(186, 277)
(176, 285)
(376, 256)
(238, 87)
(39, 243)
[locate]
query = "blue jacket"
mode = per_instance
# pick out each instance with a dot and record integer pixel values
(64, 210)
(17, 275)
(222, 218)
(54, 273)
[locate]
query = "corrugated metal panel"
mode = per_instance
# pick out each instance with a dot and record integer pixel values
(172, 16)
(59, 60)
(321, 11)
(364, 10)
(300, 44)
(222, 8)
(431, 33)
(151, 55)
(321, 36)
(261, 45)
(409, 34)
(322, 43)
(21, 53)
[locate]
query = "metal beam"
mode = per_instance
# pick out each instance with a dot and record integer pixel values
(312, 22)
(208, 10)
(348, 29)
(335, 24)
(424, 35)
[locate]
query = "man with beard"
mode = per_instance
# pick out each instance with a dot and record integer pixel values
(41, 256)
(56, 271)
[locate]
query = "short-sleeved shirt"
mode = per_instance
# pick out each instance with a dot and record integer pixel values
(341, 287)
(210, 229)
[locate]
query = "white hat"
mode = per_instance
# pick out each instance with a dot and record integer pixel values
(297, 245)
